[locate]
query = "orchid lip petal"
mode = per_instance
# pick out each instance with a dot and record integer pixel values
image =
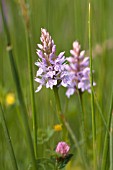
(70, 92)
(61, 54)
(54, 49)
(39, 72)
(39, 88)
(40, 46)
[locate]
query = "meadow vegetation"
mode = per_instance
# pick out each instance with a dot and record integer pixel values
(32, 124)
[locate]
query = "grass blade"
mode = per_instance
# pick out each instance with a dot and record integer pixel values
(100, 111)
(107, 138)
(92, 95)
(8, 139)
(111, 143)
(32, 94)
(26, 20)
(19, 90)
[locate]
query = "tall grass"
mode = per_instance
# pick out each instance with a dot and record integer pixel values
(92, 95)
(66, 21)
(9, 143)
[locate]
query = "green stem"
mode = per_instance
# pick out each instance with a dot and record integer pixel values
(92, 96)
(19, 91)
(66, 125)
(56, 167)
(83, 126)
(57, 102)
(111, 143)
(107, 138)
(8, 139)
(83, 115)
(59, 112)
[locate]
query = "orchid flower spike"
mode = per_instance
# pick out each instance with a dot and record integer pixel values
(78, 71)
(51, 68)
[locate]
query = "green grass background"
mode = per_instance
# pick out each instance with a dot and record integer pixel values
(66, 20)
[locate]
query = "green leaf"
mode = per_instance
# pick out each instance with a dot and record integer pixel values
(62, 162)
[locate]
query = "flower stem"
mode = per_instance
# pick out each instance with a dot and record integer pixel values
(66, 126)
(8, 139)
(59, 112)
(19, 91)
(57, 101)
(56, 167)
(83, 125)
(92, 96)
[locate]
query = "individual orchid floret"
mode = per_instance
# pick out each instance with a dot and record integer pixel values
(62, 149)
(50, 66)
(78, 71)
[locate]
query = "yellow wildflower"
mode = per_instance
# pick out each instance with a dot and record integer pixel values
(58, 127)
(10, 99)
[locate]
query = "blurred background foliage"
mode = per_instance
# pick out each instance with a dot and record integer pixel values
(66, 20)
